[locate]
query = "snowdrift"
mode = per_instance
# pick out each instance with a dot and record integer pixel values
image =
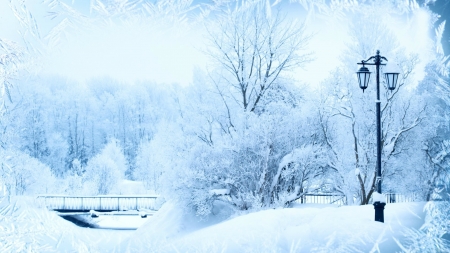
(304, 228)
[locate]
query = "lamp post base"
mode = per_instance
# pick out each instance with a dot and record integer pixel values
(379, 211)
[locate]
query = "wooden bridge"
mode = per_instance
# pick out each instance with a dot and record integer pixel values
(98, 203)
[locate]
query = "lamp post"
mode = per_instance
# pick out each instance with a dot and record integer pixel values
(391, 81)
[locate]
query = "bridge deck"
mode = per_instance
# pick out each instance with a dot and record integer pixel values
(98, 203)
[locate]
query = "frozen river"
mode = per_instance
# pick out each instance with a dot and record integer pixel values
(26, 227)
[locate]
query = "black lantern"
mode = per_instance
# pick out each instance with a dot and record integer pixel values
(363, 77)
(391, 73)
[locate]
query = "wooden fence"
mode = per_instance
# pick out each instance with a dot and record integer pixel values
(98, 203)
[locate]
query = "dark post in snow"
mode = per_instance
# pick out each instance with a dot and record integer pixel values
(391, 81)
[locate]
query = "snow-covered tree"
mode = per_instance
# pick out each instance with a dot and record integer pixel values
(253, 48)
(104, 170)
(34, 130)
(24, 175)
(147, 168)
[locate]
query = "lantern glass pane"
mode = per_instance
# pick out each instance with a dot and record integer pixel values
(391, 79)
(366, 79)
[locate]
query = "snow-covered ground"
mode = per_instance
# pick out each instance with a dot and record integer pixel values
(24, 226)
(303, 228)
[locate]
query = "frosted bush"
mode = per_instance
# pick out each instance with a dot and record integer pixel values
(101, 175)
(22, 174)
(104, 170)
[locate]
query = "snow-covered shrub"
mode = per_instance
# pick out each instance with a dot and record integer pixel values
(185, 176)
(73, 185)
(263, 162)
(296, 171)
(114, 151)
(101, 175)
(104, 170)
(22, 174)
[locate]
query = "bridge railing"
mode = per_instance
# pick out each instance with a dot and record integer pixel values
(98, 203)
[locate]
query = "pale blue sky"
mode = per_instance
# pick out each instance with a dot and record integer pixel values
(139, 50)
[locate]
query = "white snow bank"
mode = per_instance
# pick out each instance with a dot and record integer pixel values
(170, 223)
(304, 229)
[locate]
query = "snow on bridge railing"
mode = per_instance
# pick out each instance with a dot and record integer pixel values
(99, 203)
